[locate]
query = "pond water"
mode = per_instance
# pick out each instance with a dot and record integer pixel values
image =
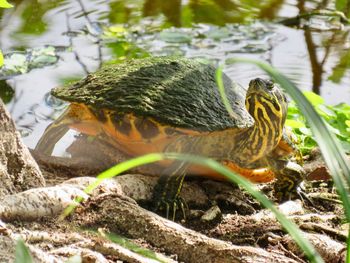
(77, 36)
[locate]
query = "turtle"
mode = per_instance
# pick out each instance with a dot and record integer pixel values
(172, 104)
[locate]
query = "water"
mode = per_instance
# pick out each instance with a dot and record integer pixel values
(315, 56)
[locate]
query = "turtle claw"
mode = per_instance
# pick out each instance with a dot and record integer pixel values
(171, 207)
(303, 196)
(180, 203)
(166, 193)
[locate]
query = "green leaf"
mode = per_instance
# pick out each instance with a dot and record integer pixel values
(5, 4)
(116, 31)
(20, 62)
(341, 124)
(175, 37)
(22, 254)
(313, 98)
(293, 110)
(335, 117)
(15, 64)
(326, 111)
(307, 144)
(218, 33)
(342, 107)
(305, 131)
(332, 129)
(1, 59)
(295, 124)
(347, 123)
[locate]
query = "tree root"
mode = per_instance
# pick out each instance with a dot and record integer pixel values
(18, 170)
(190, 246)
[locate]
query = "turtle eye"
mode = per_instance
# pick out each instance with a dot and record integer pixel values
(269, 84)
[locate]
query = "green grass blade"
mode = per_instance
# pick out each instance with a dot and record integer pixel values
(22, 254)
(113, 171)
(1, 59)
(221, 88)
(147, 253)
(122, 167)
(348, 246)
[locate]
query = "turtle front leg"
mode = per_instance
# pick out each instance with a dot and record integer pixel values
(166, 193)
(289, 175)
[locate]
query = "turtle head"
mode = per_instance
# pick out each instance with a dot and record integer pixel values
(266, 102)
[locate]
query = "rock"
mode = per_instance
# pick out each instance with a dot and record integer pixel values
(211, 214)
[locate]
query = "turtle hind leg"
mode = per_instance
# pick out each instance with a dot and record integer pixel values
(166, 193)
(289, 175)
(78, 117)
(52, 134)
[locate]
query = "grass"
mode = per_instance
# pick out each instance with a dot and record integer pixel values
(337, 119)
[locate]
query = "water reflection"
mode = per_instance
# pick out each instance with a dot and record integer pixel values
(186, 13)
(319, 46)
(314, 58)
(170, 9)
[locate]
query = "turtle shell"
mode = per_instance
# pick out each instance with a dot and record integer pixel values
(176, 92)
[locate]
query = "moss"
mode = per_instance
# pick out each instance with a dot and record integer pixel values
(176, 91)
